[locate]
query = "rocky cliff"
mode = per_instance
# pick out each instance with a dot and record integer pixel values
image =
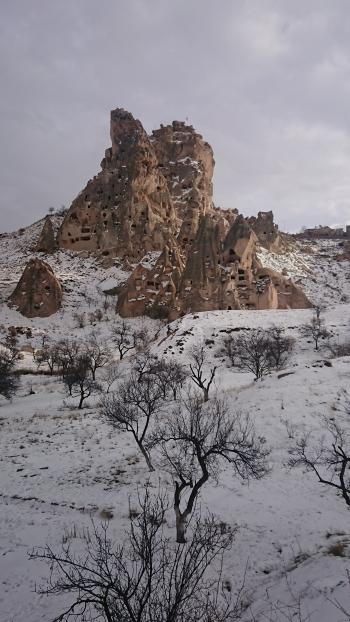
(154, 198)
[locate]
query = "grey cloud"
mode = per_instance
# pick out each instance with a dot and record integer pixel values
(265, 81)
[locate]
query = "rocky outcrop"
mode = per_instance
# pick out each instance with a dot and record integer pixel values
(126, 210)
(266, 230)
(152, 206)
(216, 275)
(187, 163)
(38, 292)
(47, 241)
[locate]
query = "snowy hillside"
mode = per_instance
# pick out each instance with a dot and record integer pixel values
(60, 467)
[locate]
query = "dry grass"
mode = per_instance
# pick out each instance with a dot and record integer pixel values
(337, 549)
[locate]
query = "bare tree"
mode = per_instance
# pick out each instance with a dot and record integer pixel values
(98, 354)
(145, 579)
(133, 407)
(170, 375)
(49, 355)
(110, 375)
(79, 380)
(202, 372)
(316, 328)
(144, 363)
(80, 319)
(67, 352)
(251, 352)
(11, 343)
(280, 346)
(8, 380)
(330, 461)
(196, 440)
(124, 337)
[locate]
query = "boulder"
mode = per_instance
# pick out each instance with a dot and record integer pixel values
(38, 292)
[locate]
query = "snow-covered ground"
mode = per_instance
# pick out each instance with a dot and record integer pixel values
(60, 467)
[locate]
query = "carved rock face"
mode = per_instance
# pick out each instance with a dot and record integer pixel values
(266, 230)
(126, 210)
(216, 275)
(38, 292)
(187, 164)
(154, 195)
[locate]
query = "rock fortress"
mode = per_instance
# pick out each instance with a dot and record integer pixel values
(151, 206)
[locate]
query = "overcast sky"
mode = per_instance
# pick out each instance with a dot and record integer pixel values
(266, 82)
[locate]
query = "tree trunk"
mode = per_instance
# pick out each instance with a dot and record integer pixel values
(206, 394)
(180, 526)
(146, 457)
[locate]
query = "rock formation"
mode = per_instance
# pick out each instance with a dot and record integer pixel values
(38, 292)
(126, 210)
(47, 242)
(266, 230)
(217, 275)
(152, 206)
(187, 163)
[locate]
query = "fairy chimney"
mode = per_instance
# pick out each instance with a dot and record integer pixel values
(38, 292)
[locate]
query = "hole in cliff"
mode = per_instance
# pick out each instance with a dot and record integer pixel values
(105, 253)
(185, 240)
(229, 308)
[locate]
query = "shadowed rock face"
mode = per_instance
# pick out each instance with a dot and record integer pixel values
(153, 197)
(38, 292)
(47, 242)
(126, 210)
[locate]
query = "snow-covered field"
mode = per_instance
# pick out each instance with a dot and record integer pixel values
(60, 467)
